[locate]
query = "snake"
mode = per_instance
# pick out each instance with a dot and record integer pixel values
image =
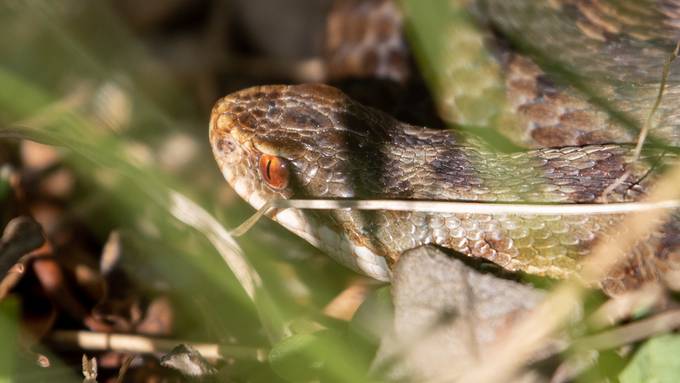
(312, 141)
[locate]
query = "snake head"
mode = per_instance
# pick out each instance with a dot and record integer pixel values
(303, 141)
(284, 141)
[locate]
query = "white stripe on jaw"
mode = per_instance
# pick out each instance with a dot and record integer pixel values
(293, 220)
(358, 258)
(244, 189)
(373, 265)
(256, 200)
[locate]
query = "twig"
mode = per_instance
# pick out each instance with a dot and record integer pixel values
(633, 332)
(642, 136)
(124, 367)
(662, 87)
(138, 344)
(625, 305)
(568, 370)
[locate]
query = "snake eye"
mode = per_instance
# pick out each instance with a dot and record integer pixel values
(274, 171)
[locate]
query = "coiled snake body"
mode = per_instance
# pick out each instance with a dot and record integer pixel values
(313, 141)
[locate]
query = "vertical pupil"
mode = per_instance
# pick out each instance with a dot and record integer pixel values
(273, 171)
(269, 166)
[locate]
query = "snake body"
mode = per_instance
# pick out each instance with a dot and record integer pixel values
(330, 146)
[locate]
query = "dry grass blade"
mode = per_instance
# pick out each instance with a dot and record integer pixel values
(510, 356)
(123, 369)
(467, 207)
(662, 87)
(460, 207)
(633, 332)
(195, 216)
(250, 222)
(644, 131)
(626, 305)
(138, 344)
(69, 103)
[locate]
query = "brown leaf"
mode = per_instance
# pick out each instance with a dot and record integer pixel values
(446, 314)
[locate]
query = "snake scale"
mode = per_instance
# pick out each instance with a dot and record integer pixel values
(314, 141)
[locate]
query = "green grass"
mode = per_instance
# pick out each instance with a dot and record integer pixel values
(55, 58)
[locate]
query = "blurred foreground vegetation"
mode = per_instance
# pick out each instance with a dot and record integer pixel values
(103, 126)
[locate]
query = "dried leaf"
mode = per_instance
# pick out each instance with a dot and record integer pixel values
(446, 313)
(188, 361)
(89, 370)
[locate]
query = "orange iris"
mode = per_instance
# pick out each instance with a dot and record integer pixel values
(274, 171)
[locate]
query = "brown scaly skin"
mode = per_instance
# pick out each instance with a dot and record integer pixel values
(337, 148)
(617, 47)
(364, 40)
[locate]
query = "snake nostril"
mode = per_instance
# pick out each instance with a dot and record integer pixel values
(225, 145)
